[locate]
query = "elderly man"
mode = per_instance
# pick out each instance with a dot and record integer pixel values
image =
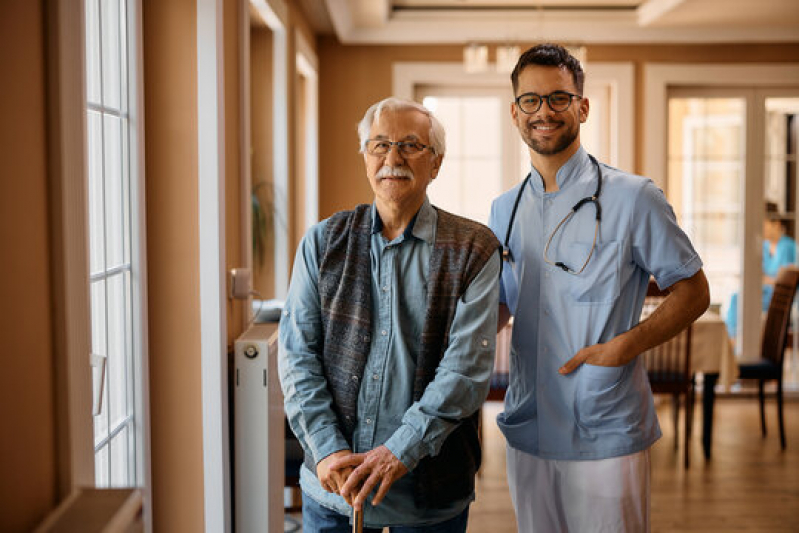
(387, 342)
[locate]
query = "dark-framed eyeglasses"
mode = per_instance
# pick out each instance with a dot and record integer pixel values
(408, 149)
(557, 101)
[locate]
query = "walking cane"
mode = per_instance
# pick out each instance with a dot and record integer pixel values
(357, 521)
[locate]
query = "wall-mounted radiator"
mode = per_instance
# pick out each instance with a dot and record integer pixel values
(259, 458)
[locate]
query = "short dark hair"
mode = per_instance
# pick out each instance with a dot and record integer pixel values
(549, 55)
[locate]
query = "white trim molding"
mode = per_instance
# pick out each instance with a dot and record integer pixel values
(658, 78)
(211, 234)
(69, 227)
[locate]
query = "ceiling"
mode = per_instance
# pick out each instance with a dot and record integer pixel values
(577, 21)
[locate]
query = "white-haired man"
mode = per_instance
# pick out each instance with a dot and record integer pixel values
(387, 342)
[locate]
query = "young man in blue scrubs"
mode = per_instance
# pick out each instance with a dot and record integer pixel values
(579, 416)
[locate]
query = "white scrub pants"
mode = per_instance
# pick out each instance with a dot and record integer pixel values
(606, 495)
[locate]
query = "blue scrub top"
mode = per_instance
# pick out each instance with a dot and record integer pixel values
(595, 412)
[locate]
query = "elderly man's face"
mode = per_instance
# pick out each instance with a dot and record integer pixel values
(403, 181)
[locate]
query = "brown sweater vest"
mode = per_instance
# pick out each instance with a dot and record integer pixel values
(461, 249)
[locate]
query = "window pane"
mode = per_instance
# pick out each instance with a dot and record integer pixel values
(706, 169)
(92, 52)
(780, 166)
(101, 467)
(117, 355)
(125, 196)
(94, 132)
(481, 118)
(113, 192)
(471, 175)
(109, 13)
(119, 455)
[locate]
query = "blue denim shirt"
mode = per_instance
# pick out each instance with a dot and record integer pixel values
(387, 413)
(595, 412)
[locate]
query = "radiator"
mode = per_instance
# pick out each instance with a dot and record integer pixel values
(258, 450)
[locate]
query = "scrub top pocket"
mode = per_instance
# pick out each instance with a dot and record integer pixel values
(599, 283)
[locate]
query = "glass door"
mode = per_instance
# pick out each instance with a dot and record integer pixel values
(730, 153)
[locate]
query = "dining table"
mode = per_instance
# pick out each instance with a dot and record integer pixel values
(712, 357)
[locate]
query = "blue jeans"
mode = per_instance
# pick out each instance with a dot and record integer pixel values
(319, 519)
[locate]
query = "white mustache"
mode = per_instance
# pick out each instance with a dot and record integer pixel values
(395, 172)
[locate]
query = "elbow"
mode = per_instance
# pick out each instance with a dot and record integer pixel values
(702, 294)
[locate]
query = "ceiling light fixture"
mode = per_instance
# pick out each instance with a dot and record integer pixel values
(475, 58)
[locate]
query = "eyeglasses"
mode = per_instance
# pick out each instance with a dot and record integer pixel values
(408, 149)
(558, 101)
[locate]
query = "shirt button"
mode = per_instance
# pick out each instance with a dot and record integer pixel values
(354, 377)
(384, 333)
(368, 420)
(385, 288)
(484, 342)
(375, 376)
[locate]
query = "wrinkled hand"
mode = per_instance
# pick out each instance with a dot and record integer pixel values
(609, 354)
(330, 477)
(373, 467)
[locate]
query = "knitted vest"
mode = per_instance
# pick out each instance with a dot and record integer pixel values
(461, 249)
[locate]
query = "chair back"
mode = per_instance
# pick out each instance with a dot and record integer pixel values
(775, 331)
(668, 364)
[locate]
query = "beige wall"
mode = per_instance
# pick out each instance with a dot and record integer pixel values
(27, 440)
(170, 100)
(354, 77)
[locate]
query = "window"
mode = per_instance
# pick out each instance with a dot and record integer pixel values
(112, 235)
(485, 155)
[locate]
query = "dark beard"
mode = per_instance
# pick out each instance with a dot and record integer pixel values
(562, 143)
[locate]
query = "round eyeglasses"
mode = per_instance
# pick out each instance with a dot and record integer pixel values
(408, 149)
(557, 101)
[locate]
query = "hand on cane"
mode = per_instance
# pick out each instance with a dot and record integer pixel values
(378, 466)
(331, 478)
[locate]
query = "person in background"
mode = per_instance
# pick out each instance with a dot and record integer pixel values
(581, 241)
(387, 342)
(779, 250)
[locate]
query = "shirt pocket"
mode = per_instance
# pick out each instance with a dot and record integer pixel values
(599, 396)
(599, 282)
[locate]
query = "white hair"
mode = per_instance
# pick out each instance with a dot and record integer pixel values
(437, 135)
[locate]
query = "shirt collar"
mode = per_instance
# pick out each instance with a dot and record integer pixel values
(567, 174)
(421, 226)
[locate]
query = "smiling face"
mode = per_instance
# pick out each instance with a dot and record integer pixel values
(400, 182)
(549, 133)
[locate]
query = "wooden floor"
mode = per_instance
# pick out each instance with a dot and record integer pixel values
(749, 485)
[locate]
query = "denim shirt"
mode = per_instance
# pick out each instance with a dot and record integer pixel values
(594, 412)
(387, 414)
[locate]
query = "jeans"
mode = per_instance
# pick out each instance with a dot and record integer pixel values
(319, 519)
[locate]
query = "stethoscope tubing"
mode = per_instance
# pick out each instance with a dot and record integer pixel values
(506, 253)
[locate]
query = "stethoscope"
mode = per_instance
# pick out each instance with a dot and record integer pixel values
(507, 255)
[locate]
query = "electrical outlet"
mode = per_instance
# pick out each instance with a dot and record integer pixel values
(240, 283)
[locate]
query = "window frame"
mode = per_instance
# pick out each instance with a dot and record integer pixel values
(68, 145)
(659, 80)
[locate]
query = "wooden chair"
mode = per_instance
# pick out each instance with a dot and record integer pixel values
(669, 368)
(775, 336)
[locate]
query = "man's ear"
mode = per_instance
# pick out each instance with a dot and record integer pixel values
(584, 106)
(436, 166)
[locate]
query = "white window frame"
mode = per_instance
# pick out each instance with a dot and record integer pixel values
(657, 80)
(619, 75)
(275, 14)
(308, 67)
(69, 200)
